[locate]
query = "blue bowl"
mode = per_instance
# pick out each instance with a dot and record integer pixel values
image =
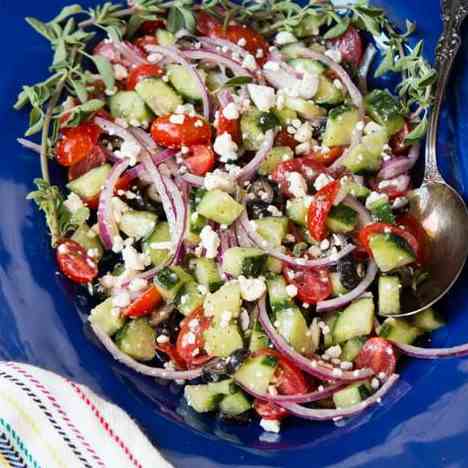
(424, 423)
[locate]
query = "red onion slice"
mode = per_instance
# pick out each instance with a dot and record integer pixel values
(174, 54)
(329, 414)
(225, 97)
(398, 184)
(363, 214)
(142, 368)
(218, 59)
(106, 223)
(361, 288)
(314, 365)
(223, 44)
(130, 53)
(397, 166)
(432, 353)
(250, 169)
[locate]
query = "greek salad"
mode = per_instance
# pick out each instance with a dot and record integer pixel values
(235, 201)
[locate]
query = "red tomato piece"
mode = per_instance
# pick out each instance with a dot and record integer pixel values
(171, 351)
(312, 285)
(283, 138)
(74, 262)
(208, 25)
(96, 158)
(143, 42)
(150, 27)
(397, 141)
(413, 226)
(328, 157)
(77, 143)
(144, 304)
(202, 160)
(319, 209)
(268, 410)
(350, 45)
(190, 341)
(142, 72)
(392, 190)
(231, 126)
(192, 130)
(377, 354)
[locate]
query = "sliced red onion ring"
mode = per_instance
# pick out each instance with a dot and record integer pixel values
(363, 71)
(363, 214)
(223, 44)
(361, 288)
(397, 166)
(130, 53)
(399, 184)
(250, 169)
(304, 398)
(329, 414)
(192, 179)
(282, 79)
(314, 365)
(174, 54)
(212, 57)
(432, 353)
(242, 238)
(142, 368)
(106, 223)
(225, 97)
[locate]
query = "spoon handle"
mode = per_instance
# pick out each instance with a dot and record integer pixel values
(453, 14)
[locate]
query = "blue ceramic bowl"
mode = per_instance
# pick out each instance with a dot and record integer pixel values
(423, 424)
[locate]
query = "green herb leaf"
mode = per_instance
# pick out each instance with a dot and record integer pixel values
(106, 71)
(180, 17)
(67, 12)
(417, 133)
(237, 81)
(386, 65)
(339, 29)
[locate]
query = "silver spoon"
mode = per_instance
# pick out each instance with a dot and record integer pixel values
(437, 206)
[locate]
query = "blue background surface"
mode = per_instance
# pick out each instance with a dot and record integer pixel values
(423, 424)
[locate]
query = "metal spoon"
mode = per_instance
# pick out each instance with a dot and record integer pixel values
(437, 206)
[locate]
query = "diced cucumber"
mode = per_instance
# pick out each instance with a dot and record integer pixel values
(309, 25)
(356, 190)
(382, 213)
(306, 109)
(184, 82)
(351, 348)
(159, 96)
(285, 115)
(235, 404)
(223, 387)
(307, 65)
(161, 236)
(351, 395)
(293, 51)
(252, 134)
(389, 295)
(206, 273)
(138, 224)
(202, 398)
(107, 317)
(215, 80)
(256, 373)
(169, 281)
(277, 294)
(225, 299)
(384, 109)
(196, 221)
(356, 320)
(296, 210)
(88, 238)
(90, 184)
(165, 38)
(337, 287)
(189, 298)
(275, 156)
(273, 265)
(400, 331)
(137, 339)
(292, 326)
(273, 229)
(428, 320)
(129, 106)
(330, 322)
(245, 261)
(390, 251)
(219, 207)
(222, 341)
(258, 338)
(342, 219)
(340, 126)
(327, 93)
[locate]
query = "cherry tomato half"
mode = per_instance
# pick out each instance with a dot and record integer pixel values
(171, 351)
(96, 158)
(231, 126)
(192, 130)
(77, 143)
(377, 354)
(145, 41)
(328, 157)
(150, 27)
(202, 160)
(141, 72)
(319, 209)
(312, 285)
(144, 304)
(283, 138)
(75, 263)
(350, 45)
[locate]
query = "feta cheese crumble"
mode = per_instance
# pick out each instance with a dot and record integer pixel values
(219, 180)
(210, 241)
(297, 184)
(262, 96)
(225, 147)
(251, 289)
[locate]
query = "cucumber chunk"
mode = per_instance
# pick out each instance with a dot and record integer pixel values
(189, 298)
(223, 387)
(382, 212)
(202, 398)
(309, 25)
(337, 287)
(107, 317)
(206, 273)
(219, 207)
(252, 134)
(342, 219)
(138, 340)
(161, 236)
(327, 93)
(296, 209)
(340, 126)
(274, 158)
(293, 51)
(351, 395)
(222, 340)
(225, 299)
(351, 349)
(159, 96)
(399, 330)
(245, 261)
(307, 65)
(428, 320)
(184, 82)
(273, 265)
(169, 281)
(306, 109)
(277, 294)
(129, 106)
(389, 295)
(285, 115)
(258, 338)
(330, 322)
(165, 38)
(292, 326)
(390, 251)
(138, 224)
(384, 109)
(256, 373)
(90, 184)
(355, 189)
(235, 404)
(89, 239)
(273, 229)
(356, 320)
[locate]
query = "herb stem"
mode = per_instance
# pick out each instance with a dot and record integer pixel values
(117, 14)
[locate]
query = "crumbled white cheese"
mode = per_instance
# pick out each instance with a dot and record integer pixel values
(252, 288)
(133, 260)
(322, 181)
(137, 284)
(122, 299)
(296, 184)
(334, 54)
(333, 351)
(244, 319)
(117, 244)
(274, 211)
(120, 72)
(308, 86)
(259, 53)
(285, 37)
(291, 290)
(303, 148)
(303, 133)
(185, 109)
(325, 244)
(130, 150)
(262, 96)
(360, 126)
(270, 425)
(161, 339)
(242, 42)
(225, 319)
(225, 147)
(375, 198)
(231, 111)
(271, 66)
(399, 202)
(219, 180)
(249, 62)
(73, 203)
(118, 208)
(177, 119)
(210, 241)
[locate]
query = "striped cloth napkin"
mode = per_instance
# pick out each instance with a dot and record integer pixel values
(47, 421)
